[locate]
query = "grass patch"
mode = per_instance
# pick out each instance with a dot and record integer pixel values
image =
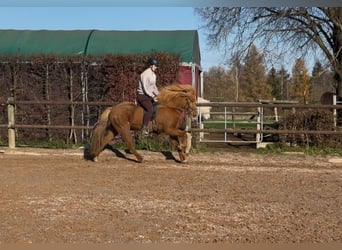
(279, 148)
(154, 143)
(220, 124)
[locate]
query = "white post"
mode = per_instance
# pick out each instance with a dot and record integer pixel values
(201, 84)
(193, 75)
(11, 122)
(275, 112)
(259, 126)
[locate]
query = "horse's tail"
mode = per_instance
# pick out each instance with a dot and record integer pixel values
(99, 131)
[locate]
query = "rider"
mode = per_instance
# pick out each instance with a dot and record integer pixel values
(147, 92)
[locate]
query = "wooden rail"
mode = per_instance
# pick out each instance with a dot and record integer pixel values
(11, 125)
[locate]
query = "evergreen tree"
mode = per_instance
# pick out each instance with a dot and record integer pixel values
(235, 75)
(254, 85)
(284, 83)
(274, 81)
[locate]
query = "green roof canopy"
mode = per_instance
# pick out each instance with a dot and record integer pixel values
(97, 42)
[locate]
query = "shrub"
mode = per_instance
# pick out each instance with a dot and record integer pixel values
(311, 120)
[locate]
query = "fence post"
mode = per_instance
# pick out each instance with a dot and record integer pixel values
(335, 112)
(260, 119)
(11, 122)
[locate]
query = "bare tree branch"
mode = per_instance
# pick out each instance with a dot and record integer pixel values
(287, 31)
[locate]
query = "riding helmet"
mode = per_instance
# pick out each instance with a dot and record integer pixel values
(152, 61)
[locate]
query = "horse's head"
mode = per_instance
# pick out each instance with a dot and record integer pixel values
(190, 106)
(180, 97)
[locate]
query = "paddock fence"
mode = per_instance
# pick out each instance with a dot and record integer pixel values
(239, 123)
(228, 121)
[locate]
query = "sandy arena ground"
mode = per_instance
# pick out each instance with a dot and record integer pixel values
(55, 196)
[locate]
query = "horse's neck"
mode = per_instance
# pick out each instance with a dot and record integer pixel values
(180, 114)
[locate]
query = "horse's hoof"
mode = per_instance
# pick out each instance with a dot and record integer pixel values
(182, 158)
(140, 159)
(184, 161)
(95, 159)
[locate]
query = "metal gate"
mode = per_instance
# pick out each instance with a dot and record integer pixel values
(228, 115)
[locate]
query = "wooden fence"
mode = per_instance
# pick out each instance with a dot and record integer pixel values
(12, 125)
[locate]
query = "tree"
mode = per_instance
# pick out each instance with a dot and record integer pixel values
(275, 82)
(294, 30)
(253, 77)
(279, 83)
(321, 81)
(284, 82)
(218, 85)
(235, 73)
(301, 81)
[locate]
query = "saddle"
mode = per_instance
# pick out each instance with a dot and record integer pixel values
(152, 123)
(152, 126)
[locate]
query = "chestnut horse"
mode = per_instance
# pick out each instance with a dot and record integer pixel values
(173, 101)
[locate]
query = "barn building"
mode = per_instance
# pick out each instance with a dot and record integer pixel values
(98, 42)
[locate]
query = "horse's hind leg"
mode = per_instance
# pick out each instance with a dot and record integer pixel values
(105, 140)
(127, 137)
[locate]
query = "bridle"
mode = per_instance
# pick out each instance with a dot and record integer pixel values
(189, 110)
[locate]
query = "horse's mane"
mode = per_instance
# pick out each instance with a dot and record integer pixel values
(175, 93)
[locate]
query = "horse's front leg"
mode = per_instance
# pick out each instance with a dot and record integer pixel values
(178, 147)
(184, 140)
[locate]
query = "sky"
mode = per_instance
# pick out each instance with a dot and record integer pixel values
(127, 15)
(110, 18)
